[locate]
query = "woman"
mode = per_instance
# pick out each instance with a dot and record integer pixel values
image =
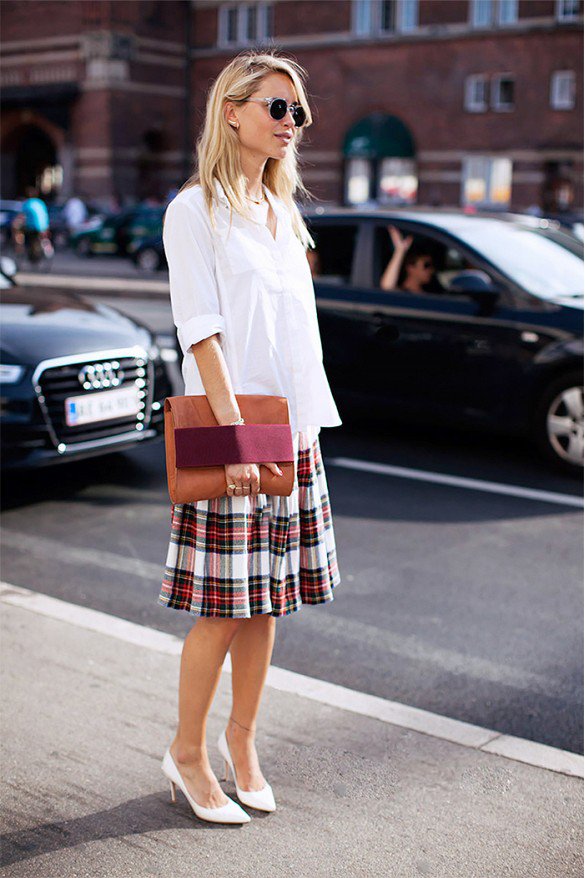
(244, 306)
(411, 268)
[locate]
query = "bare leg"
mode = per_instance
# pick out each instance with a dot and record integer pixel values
(204, 650)
(251, 651)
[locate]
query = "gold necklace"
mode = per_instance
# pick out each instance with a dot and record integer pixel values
(254, 200)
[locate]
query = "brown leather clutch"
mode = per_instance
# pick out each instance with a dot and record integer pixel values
(197, 447)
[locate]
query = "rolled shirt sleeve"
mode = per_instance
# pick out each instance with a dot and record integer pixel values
(193, 287)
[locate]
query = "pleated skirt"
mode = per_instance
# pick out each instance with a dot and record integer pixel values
(235, 557)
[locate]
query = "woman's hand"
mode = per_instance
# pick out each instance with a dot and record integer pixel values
(246, 478)
(401, 244)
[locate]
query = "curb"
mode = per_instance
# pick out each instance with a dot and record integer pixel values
(413, 718)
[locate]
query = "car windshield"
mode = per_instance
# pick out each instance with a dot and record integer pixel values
(540, 264)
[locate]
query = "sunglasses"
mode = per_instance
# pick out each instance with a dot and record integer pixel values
(278, 108)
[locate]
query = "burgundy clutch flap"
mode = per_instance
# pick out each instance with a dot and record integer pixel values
(197, 447)
(240, 443)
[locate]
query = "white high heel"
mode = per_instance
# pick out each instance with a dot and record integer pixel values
(228, 813)
(262, 800)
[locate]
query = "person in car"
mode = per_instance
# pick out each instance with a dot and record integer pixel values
(411, 268)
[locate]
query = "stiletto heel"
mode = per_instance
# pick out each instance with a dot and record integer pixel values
(173, 790)
(228, 813)
(262, 800)
(226, 775)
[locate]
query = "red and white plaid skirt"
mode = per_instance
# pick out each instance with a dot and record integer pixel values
(239, 556)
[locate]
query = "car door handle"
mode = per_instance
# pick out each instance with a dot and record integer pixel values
(386, 329)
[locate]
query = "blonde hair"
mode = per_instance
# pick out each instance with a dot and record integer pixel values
(217, 147)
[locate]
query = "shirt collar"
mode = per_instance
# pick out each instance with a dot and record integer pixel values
(222, 197)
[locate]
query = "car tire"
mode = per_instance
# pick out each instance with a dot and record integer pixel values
(83, 247)
(558, 423)
(148, 259)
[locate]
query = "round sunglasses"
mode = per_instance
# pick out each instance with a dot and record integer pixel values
(278, 108)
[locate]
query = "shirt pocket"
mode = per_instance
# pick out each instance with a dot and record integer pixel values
(243, 254)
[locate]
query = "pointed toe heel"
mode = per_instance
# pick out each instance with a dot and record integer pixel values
(261, 800)
(231, 812)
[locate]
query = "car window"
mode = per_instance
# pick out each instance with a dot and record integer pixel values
(539, 264)
(436, 264)
(332, 260)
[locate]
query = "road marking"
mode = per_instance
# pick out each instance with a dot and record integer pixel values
(404, 472)
(371, 706)
(391, 643)
(43, 547)
(406, 646)
(102, 284)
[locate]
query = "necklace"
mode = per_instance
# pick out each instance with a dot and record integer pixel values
(255, 201)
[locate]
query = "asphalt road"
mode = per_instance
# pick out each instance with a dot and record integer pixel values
(456, 599)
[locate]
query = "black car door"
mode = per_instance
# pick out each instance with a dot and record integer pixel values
(457, 353)
(432, 355)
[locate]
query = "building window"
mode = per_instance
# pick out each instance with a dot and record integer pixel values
(503, 92)
(487, 181)
(562, 90)
(568, 10)
(362, 22)
(231, 30)
(377, 17)
(397, 181)
(408, 15)
(241, 24)
(477, 93)
(357, 181)
(487, 13)
(481, 13)
(388, 10)
(507, 11)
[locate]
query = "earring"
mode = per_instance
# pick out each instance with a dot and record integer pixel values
(234, 124)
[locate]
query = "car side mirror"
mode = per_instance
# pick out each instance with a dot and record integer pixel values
(479, 286)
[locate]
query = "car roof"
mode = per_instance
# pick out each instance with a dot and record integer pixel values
(449, 219)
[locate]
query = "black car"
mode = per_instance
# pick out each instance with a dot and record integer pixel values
(494, 341)
(149, 254)
(77, 379)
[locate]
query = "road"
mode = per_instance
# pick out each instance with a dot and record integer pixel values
(458, 598)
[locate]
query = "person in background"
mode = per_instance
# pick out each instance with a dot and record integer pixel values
(75, 213)
(32, 225)
(411, 268)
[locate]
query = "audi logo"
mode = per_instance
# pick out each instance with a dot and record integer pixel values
(100, 375)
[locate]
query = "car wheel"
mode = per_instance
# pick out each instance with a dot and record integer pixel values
(559, 423)
(83, 247)
(148, 259)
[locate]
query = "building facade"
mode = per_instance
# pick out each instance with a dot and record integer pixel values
(441, 102)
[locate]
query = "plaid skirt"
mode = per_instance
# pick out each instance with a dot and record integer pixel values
(239, 556)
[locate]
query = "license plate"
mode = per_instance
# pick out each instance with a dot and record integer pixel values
(103, 406)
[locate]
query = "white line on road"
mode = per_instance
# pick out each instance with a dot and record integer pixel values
(405, 472)
(372, 706)
(94, 283)
(392, 642)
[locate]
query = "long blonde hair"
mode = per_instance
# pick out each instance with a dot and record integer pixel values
(217, 147)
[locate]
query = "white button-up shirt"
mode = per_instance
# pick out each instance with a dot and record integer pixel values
(257, 293)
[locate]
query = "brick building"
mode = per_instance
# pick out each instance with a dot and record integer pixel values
(448, 102)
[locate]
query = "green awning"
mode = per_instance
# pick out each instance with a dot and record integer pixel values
(379, 136)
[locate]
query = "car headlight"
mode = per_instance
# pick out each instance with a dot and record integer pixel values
(10, 374)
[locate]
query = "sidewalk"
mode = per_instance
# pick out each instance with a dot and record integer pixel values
(87, 717)
(118, 287)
